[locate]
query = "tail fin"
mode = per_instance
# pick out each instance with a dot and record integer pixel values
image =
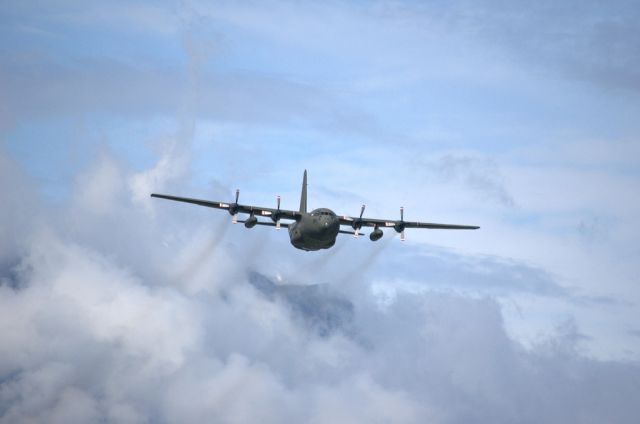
(303, 196)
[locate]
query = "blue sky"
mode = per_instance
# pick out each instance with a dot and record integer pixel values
(518, 117)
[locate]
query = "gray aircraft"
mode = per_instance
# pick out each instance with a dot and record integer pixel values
(319, 228)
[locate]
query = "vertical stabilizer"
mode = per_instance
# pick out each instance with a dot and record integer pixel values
(303, 196)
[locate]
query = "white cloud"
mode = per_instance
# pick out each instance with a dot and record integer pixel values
(88, 335)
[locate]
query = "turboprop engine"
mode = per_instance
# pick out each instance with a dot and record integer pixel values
(251, 221)
(376, 234)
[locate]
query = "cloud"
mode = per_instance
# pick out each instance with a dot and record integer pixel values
(321, 310)
(102, 327)
(478, 174)
(113, 87)
(19, 214)
(580, 40)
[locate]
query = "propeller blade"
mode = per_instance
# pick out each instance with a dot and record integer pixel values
(277, 214)
(402, 235)
(356, 233)
(401, 213)
(233, 207)
(234, 218)
(356, 223)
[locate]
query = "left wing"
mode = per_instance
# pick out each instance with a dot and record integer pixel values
(234, 207)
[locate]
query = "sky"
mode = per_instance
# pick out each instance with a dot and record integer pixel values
(518, 117)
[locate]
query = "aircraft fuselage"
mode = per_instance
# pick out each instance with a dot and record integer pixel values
(316, 230)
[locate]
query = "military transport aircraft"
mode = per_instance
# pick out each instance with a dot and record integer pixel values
(317, 229)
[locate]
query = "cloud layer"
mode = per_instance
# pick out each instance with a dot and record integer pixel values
(101, 320)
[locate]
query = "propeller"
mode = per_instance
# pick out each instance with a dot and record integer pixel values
(402, 220)
(357, 223)
(399, 226)
(276, 216)
(233, 208)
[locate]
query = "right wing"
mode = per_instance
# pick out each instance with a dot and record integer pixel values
(399, 225)
(368, 222)
(255, 210)
(382, 223)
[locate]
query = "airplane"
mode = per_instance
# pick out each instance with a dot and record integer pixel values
(313, 230)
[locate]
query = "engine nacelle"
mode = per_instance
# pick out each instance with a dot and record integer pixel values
(376, 234)
(399, 227)
(251, 222)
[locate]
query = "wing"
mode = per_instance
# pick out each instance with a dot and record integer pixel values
(267, 223)
(386, 223)
(239, 208)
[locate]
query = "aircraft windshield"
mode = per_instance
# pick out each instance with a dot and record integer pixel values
(323, 212)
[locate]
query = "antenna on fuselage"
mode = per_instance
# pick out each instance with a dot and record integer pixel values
(303, 196)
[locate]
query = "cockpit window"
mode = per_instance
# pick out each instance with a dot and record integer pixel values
(322, 212)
